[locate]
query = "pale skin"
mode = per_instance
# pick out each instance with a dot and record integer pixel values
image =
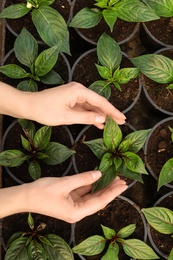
(57, 197)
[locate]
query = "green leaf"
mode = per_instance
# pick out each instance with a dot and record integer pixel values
(112, 134)
(59, 250)
(26, 48)
(51, 27)
(46, 61)
(170, 86)
(123, 170)
(42, 137)
(162, 8)
(156, 67)
(138, 249)
(117, 162)
(91, 246)
(134, 163)
(108, 52)
(126, 74)
(28, 127)
(166, 173)
(108, 232)
(14, 11)
(125, 11)
(52, 78)
(112, 252)
(170, 257)
(110, 17)
(36, 251)
(103, 71)
(102, 88)
(14, 237)
(57, 153)
(160, 219)
(12, 158)
(86, 18)
(97, 146)
(41, 155)
(124, 145)
(28, 85)
(106, 178)
(14, 71)
(45, 2)
(137, 139)
(26, 144)
(17, 250)
(126, 231)
(30, 221)
(34, 170)
(106, 162)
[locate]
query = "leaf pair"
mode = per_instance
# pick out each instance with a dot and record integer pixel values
(96, 244)
(110, 11)
(118, 154)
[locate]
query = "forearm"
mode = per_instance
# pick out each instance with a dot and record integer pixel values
(13, 200)
(14, 102)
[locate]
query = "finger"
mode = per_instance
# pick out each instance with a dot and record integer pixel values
(82, 179)
(83, 190)
(102, 103)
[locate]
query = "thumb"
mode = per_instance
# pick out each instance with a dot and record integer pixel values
(87, 117)
(84, 179)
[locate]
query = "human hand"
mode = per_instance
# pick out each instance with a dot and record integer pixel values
(68, 198)
(71, 104)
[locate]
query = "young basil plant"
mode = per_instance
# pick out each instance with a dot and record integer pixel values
(32, 245)
(110, 11)
(40, 65)
(161, 219)
(156, 67)
(118, 154)
(49, 23)
(96, 244)
(109, 55)
(163, 8)
(166, 173)
(37, 146)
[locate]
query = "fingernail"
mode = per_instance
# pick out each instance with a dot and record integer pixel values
(96, 175)
(99, 119)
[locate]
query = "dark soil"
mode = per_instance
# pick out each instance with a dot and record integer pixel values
(162, 30)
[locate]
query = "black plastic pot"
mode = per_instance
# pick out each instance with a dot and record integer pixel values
(161, 202)
(116, 221)
(100, 28)
(59, 170)
(84, 159)
(161, 108)
(160, 152)
(85, 64)
(153, 40)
